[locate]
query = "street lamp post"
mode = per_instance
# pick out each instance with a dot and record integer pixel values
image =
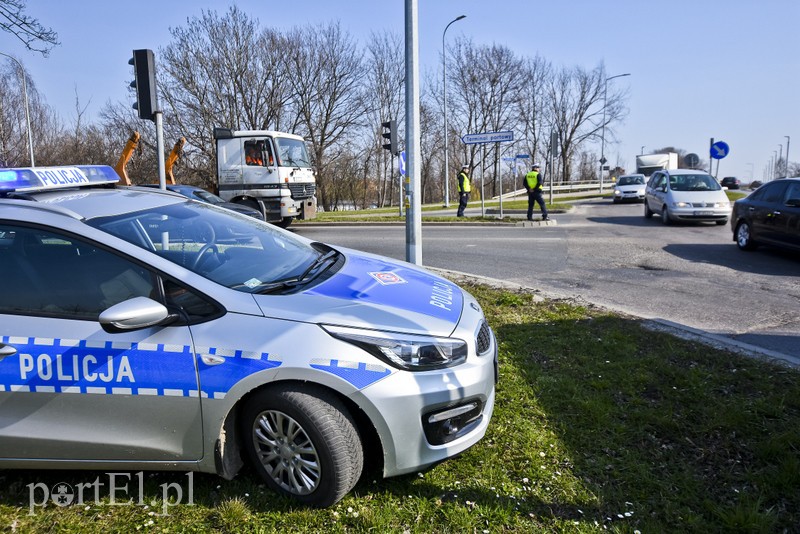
(603, 134)
(642, 152)
(27, 113)
(774, 164)
(780, 157)
(444, 89)
(787, 154)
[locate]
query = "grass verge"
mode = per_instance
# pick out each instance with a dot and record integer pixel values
(600, 424)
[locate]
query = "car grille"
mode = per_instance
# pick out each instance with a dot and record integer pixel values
(483, 341)
(302, 190)
(703, 204)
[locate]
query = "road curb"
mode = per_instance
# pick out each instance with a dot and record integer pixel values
(718, 341)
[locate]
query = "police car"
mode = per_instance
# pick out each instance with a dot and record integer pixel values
(143, 330)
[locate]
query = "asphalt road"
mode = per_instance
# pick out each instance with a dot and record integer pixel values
(692, 275)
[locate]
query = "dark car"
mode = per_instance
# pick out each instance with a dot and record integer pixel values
(200, 194)
(731, 182)
(769, 216)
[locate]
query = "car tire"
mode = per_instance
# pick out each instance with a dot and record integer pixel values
(744, 236)
(665, 216)
(615, 200)
(647, 212)
(303, 442)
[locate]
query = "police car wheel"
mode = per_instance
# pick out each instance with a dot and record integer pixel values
(303, 443)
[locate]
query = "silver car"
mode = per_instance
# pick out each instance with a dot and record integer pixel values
(142, 330)
(686, 195)
(629, 187)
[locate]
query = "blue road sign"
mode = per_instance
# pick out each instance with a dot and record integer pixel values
(401, 162)
(719, 150)
(487, 137)
(523, 156)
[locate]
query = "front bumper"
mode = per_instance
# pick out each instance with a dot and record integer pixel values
(629, 196)
(700, 214)
(426, 417)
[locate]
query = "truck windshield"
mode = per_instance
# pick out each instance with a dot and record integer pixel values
(292, 152)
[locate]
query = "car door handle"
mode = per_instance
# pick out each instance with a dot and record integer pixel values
(776, 213)
(7, 350)
(212, 359)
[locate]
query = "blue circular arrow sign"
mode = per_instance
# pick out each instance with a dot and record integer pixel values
(719, 150)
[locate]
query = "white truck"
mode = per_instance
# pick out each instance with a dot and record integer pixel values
(266, 170)
(650, 163)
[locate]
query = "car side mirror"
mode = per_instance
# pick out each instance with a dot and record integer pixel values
(135, 314)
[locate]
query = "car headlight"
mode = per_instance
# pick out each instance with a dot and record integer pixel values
(617, 192)
(406, 351)
(682, 204)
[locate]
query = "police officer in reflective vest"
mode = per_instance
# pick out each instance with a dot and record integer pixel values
(464, 189)
(533, 185)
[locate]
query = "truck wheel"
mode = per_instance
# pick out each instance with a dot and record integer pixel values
(284, 223)
(252, 204)
(303, 443)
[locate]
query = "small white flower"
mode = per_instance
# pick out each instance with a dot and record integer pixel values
(542, 454)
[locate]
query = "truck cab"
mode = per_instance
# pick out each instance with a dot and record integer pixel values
(266, 170)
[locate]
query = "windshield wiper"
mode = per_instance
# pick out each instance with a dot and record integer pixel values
(311, 272)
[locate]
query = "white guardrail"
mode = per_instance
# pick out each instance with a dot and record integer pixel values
(566, 188)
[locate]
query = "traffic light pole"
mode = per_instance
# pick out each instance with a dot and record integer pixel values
(162, 175)
(413, 175)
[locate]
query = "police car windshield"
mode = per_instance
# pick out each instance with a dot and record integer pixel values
(233, 250)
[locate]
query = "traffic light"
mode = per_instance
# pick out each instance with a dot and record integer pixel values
(144, 68)
(390, 133)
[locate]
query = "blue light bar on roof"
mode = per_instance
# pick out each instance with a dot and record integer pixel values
(45, 178)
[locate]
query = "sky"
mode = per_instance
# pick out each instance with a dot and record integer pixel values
(699, 69)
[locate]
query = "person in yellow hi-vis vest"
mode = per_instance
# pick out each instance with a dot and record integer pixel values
(533, 185)
(464, 188)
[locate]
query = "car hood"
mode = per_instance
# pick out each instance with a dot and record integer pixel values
(699, 196)
(374, 292)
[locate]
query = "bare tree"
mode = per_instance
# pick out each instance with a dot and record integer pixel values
(46, 129)
(327, 77)
(575, 97)
(532, 107)
(485, 89)
(385, 75)
(222, 71)
(27, 29)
